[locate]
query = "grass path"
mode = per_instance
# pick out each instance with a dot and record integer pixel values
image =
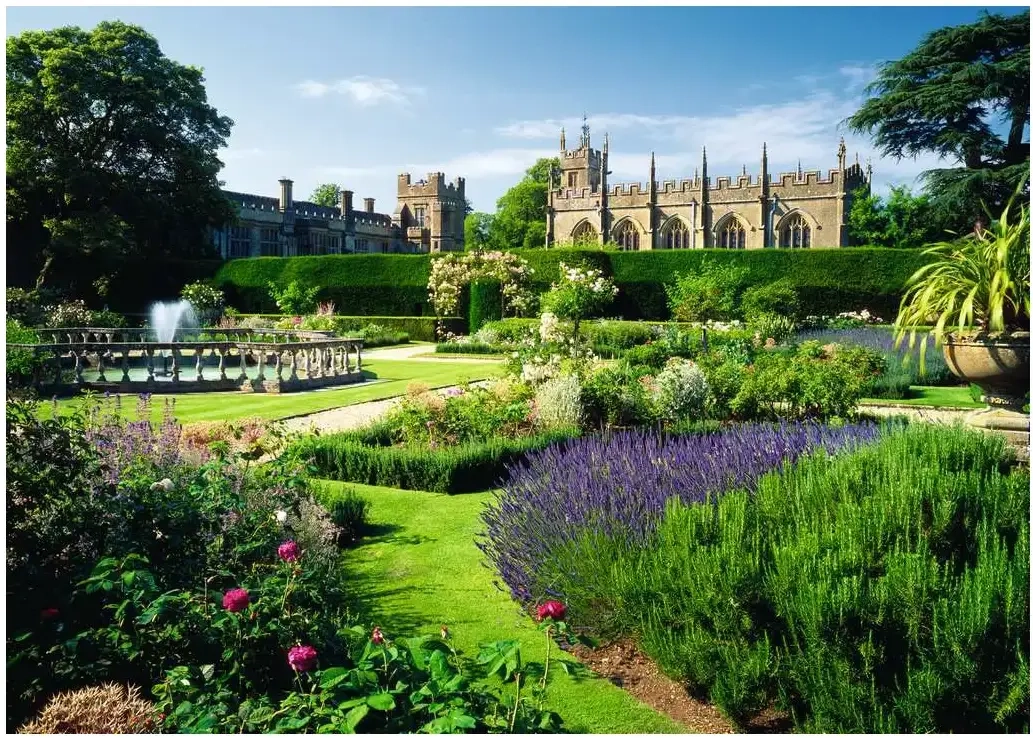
(394, 376)
(932, 397)
(420, 569)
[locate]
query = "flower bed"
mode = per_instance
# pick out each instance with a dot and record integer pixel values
(880, 590)
(619, 485)
(212, 585)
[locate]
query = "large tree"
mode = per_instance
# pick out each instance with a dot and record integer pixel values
(111, 156)
(328, 195)
(901, 221)
(962, 94)
(520, 213)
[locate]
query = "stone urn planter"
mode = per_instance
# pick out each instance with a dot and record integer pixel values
(999, 365)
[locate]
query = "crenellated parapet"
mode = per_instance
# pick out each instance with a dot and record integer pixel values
(434, 186)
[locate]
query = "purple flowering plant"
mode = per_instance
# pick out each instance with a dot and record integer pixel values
(618, 485)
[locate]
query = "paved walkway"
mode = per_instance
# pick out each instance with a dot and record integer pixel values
(349, 417)
(411, 352)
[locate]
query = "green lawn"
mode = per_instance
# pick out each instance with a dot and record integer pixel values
(933, 397)
(420, 570)
(395, 376)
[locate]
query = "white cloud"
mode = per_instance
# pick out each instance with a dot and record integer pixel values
(363, 91)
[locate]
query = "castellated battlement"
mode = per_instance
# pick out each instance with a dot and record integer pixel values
(434, 186)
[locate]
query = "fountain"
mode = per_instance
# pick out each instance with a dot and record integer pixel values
(167, 318)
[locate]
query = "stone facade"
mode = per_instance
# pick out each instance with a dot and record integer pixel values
(795, 210)
(429, 217)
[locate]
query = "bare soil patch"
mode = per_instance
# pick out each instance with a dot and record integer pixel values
(624, 665)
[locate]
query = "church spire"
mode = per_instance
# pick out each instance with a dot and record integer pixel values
(586, 139)
(799, 169)
(652, 166)
(842, 153)
(563, 139)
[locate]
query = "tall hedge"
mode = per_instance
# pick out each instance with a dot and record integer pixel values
(828, 281)
(485, 302)
(357, 284)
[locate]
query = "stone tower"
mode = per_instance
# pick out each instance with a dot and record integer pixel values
(431, 212)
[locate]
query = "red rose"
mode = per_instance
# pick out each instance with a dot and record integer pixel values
(302, 658)
(236, 600)
(49, 614)
(377, 637)
(552, 609)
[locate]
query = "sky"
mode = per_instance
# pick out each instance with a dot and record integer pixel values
(357, 95)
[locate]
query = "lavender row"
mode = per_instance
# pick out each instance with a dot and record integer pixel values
(619, 485)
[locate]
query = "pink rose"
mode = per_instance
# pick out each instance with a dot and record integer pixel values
(289, 551)
(236, 600)
(377, 637)
(302, 658)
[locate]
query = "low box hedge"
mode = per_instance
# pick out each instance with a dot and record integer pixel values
(365, 456)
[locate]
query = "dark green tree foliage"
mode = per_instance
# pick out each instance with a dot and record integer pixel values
(901, 221)
(111, 157)
(328, 195)
(950, 97)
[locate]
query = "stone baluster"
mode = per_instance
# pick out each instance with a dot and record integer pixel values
(125, 363)
(261, 365)
(358, 358)
(57, 367)
(294, 365)
(347, 359)
(100, 365)
(279, 365)
(243, 365)
(199, 365)
(150, 364)
(175, 365)
(333, 350)
(78, 365)
(222, 362)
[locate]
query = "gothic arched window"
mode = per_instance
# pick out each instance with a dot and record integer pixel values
(732, 235)
(584, 232)
(626, 236)
(676, 236)
(795, 233)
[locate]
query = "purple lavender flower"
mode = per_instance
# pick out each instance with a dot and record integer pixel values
(619, 485)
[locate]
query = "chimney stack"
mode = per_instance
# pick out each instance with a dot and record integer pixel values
(369, 204)
(286, 194)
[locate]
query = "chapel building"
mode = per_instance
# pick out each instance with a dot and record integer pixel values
(799, 209)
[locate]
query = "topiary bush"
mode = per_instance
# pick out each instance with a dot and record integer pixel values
(485, 303)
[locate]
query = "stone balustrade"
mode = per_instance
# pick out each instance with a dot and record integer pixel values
(147, 335)
(173, 367)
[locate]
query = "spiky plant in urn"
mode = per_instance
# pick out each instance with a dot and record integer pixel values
(976, 289)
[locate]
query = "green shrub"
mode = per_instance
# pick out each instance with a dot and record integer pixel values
(349, 512)
(777, 298)
(366, 458)
(294, 299)
(22, 364)
(107, 319)
(617, 396)
(485, 303)
(207, 301)
(885, 590)
(24, 306)
(712, 293)
(468, 347)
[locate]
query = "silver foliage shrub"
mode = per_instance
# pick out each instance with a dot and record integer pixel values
(558, 402)
(681, 390)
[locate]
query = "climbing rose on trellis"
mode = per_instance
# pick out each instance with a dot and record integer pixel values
(449, 273)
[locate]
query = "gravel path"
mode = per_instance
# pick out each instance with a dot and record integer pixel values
(349, 417)
(412, 353)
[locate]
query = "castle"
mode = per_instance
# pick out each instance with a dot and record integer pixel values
(428, 217)
(795, 210)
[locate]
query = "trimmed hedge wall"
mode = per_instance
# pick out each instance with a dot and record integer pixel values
(357, 284)
(485, 302)
(829, 281)
(363, 456)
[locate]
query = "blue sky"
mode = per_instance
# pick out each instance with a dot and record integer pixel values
(357, 95)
